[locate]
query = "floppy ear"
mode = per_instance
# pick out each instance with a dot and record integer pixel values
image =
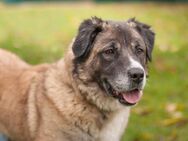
(87, 33)
(148, 35)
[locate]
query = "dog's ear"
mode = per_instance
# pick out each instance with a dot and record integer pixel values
(148, 35)
(87, 33)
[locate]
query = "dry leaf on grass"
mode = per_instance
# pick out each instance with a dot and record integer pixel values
(142, 111)
(179, 121)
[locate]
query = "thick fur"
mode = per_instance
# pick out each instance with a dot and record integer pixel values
(60, 101)
(43, 103)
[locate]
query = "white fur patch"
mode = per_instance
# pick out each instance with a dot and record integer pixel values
(136, 64)
(115, 127)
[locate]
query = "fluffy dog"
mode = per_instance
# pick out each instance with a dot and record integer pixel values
(84, 97)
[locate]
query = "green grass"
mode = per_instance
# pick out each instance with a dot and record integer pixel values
(42, 33)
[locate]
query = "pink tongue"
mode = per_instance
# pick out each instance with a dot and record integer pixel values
(132, 96)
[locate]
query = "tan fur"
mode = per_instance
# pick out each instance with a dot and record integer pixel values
(48, 103)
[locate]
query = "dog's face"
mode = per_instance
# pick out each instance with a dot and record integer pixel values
(115, 55)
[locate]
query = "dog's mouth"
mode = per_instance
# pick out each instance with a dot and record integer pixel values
(129, 98)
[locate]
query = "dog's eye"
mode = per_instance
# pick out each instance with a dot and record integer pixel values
(139, 50)
(109, 51)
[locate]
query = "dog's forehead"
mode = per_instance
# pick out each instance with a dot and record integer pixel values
(120, 25)
(124, 29)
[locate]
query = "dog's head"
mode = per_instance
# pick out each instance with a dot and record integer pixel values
(115, 55)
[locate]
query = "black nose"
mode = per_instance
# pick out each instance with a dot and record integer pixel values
(136, 75)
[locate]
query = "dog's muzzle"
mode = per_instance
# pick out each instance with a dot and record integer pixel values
(129, 98)
(130, 95)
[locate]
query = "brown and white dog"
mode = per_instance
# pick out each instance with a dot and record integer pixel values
(84, 97)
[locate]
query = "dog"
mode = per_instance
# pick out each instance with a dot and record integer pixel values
(87, 95)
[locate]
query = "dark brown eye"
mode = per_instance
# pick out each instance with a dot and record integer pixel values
(109, 51)
(139, 50)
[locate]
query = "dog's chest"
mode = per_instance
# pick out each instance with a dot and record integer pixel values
(114, 128)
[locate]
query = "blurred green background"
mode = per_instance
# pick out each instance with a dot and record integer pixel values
(41, 32)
